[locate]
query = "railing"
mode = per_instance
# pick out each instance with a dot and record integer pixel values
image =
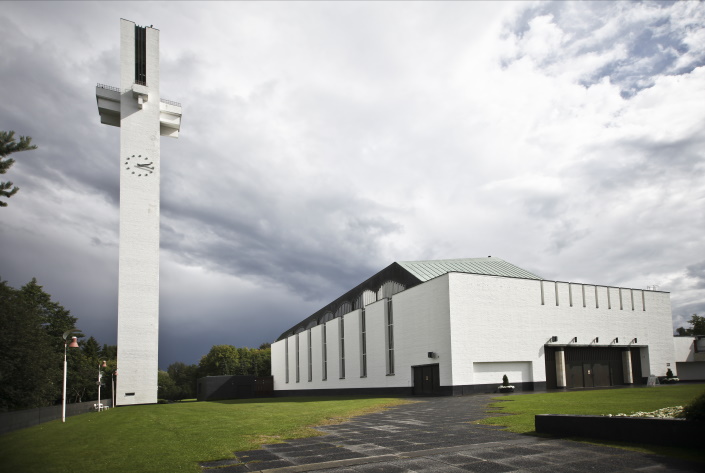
(109, 87)
(170, 102)
(117, 89)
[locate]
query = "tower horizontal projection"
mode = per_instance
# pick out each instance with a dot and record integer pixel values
(108, 98)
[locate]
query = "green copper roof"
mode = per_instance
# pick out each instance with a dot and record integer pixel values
(425, 270)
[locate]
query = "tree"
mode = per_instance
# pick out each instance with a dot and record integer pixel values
(229, 360)
(698, 323)
(166, 386)
(9, 145)
(30, 366)
(185, 378)
(220, 360)
(54, 317)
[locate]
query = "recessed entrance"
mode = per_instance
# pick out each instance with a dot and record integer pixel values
(591, 367)
(426, 380)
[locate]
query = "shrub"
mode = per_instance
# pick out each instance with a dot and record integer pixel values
(695, 410)
(505, 380)
(669, 373)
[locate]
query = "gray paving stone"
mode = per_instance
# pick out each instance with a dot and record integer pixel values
(379, 468)
(450, 458)
(525, 462)
(424, 465)
(219, 463)
(438, 434)
(230, 469)
(486, 467)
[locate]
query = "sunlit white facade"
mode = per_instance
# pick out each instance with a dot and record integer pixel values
(463, 324)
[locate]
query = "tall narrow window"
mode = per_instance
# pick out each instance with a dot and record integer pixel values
(286, 359)
(390, 338)
(342, 347)
(140, 55)
(310, 361)
(363, 345)
(325, 354)
(570, 294)
(583, 290)
(298, 372)
(621, 305)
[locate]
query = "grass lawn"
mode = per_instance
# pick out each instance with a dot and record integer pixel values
(172, 438)
(523, 408)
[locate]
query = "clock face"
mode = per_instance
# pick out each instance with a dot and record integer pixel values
(138, 165)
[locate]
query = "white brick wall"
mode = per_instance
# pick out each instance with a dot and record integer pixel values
(496, 319)
(683, 348)
(482, 327)
(138, 295)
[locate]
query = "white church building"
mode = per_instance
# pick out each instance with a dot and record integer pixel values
(455, 327)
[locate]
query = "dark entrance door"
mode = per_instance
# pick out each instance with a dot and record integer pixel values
(588, 380)
(575, 375)
(426, 380)
(601, 373)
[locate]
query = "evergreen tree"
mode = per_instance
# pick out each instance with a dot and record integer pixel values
(9, 145)
(29, 365)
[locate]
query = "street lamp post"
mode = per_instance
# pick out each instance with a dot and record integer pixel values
(100, 376)
(73, 344)
(113, 390)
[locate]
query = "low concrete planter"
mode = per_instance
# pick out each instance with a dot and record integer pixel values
(669, 432)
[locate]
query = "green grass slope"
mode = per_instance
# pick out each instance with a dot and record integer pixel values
(171, 438)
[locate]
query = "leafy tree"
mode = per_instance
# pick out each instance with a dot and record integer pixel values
(698, 323)
(166, 387)
(229, 360)
(220, 360)
(263, 362)
(9, 145)
(185, 378)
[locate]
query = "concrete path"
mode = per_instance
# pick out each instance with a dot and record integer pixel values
(436, 435)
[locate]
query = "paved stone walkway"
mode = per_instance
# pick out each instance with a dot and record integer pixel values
(436, 435)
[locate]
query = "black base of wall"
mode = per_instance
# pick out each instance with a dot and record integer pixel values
(668, 432)
(344, 392)
(408, 391)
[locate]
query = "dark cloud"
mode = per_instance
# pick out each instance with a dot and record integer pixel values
(696, 271)
(320, 142)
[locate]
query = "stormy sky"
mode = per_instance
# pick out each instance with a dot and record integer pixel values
(321, 141)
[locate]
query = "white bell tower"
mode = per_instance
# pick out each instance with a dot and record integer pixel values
(137, 108)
